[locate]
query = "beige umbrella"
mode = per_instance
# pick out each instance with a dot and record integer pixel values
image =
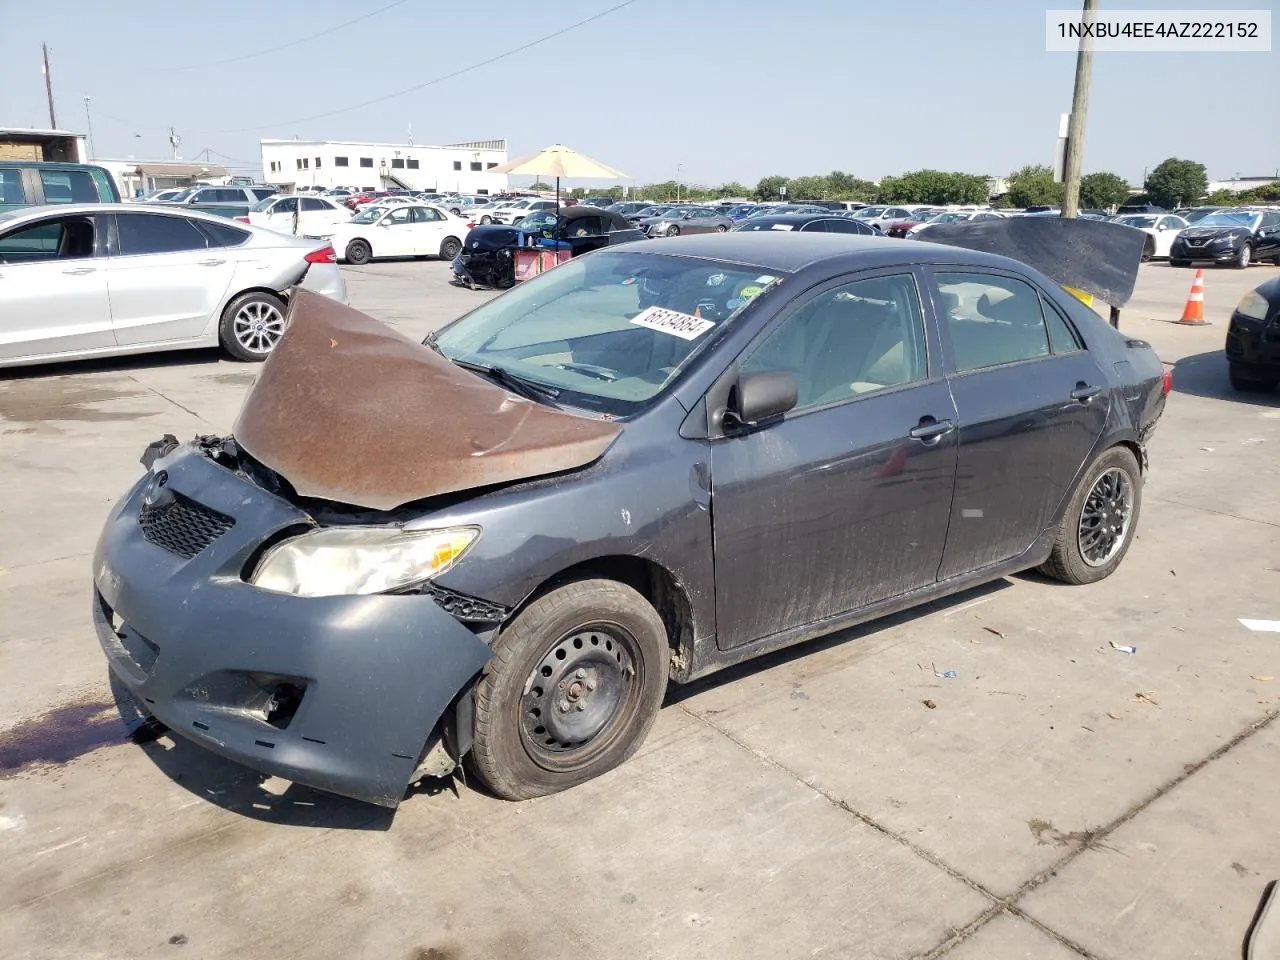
(559, 161)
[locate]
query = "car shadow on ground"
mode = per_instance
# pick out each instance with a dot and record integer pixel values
(678, 694)
(130, 363)
(1205, 375)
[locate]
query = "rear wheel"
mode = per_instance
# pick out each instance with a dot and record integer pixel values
(251, 325)
(450, 248)
(1098, 524)
(575, 683)
(358, 252)
(1148, 251)
(673, 231)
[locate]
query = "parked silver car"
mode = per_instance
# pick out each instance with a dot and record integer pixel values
(93, 280)
(687, 220)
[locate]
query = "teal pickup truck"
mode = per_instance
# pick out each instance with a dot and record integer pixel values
(224, 201)
(32, 183)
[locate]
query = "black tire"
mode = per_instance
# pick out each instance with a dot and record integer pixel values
(485, 220)
(1244, 256)
(358, 252)
(1067, 562)
(450, 247)
(1248, 380)
(251, 325)
(1148, 251)
(611, 639)
(673, 231)
(1179, 263)
(722, 229)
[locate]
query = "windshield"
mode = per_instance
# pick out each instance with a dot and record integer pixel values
(870, 212)
(1137, 221)
(517, 204)
(1220, 219)
(369, 215)
(609, 330)
(950, 217)
(184, 194)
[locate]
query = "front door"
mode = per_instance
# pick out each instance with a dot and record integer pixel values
(397, 235)
(843, 501)
(164, 281)
(1267, 241)
(1032, 404)
(53, 289)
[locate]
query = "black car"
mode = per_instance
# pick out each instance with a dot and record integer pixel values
(645, 465)
(1236, 237)
(1195, 214)
(1253, 339)
(488, 252)
(805, 223)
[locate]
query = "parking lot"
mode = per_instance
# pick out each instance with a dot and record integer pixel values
(1057, 798)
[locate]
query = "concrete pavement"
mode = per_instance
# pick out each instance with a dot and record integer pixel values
(1060, 799)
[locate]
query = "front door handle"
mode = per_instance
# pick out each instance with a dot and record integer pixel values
(79, 271)
(930, 430)
(1084, 392)
(211, 263)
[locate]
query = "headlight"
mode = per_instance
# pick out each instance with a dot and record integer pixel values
(338, 561)
(1254, 305)
(1224, 239)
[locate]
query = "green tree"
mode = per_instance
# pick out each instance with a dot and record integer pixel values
(845, 186)
(733, 189)
(768, 187)
(1033, 186)
(808, 188)
(1176, 183)
(540, 186)
(933, 186)
(1102, 191)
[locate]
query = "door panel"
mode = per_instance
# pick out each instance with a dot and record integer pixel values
(395, 235)
(171, 293)
(837, 505)
(53, 291)
(1022, 435)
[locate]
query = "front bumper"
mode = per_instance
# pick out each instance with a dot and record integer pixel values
(1211, 252)
(207, 653)
(1254, 343)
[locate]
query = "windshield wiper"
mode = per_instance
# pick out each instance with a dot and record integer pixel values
(530, 389)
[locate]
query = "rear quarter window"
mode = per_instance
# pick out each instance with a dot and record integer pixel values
(69, 186)
(11, 191)
(222, 234)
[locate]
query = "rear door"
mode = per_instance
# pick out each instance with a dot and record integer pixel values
(53, 288)
(319, 217)
(844, 500)
(430, 227)
(1267, 242)
(279, 216)
(1031, 403)
(164, 281)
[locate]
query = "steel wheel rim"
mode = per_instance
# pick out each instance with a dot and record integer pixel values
(1105, 518)
(258, 326)
(580, 696)
(358, 252)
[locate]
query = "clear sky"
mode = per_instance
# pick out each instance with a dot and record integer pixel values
(728, 89)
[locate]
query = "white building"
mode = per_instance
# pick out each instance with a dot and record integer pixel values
(1241, 184)
(459, 167)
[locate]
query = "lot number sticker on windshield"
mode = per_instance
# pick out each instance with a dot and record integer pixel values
(682, 325)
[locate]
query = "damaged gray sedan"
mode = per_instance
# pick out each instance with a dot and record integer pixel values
(498, 546)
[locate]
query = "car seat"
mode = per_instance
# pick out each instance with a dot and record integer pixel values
(76, 241)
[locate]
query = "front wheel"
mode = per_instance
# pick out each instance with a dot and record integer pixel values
(1243, 256)
(358, 252)
(450, 248)
(1099, 522)
(574, 685)
(486, 219)
(251, 325)
(673, 231)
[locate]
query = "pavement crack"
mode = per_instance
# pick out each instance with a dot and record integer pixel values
(1219, 513)
(147, 386)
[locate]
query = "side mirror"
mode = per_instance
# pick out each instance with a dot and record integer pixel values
(759, 396)
(1161, 226)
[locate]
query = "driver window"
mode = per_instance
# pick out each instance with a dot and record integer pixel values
(66, 238)
(397, 217)
(849, 341)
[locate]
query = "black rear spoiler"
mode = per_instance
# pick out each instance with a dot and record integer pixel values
(1093, 256)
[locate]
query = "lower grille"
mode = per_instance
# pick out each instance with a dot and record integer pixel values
(182, 526)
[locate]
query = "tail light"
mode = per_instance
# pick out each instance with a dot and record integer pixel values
(322, 255)
(1166, 383)
(241, 219)
(471, 226)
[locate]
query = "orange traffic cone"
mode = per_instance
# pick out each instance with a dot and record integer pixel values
(1193, 312)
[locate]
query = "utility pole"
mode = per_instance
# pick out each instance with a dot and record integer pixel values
(1079, 110)
(88, 119)
(48, 86)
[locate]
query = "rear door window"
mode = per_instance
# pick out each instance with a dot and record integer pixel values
(143, 233)
(68, 186)
(992, 319)
(311, 203)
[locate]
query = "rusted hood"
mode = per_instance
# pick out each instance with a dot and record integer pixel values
(346, 409)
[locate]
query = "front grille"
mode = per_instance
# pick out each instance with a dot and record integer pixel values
(182, 526)
(1195, 242)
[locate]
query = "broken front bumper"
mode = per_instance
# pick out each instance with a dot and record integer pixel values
(337, 693)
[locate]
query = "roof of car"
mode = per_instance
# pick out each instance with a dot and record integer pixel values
(795, 218)
(790, 252)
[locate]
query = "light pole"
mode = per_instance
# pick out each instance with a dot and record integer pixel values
(1075, 125)
(679, 167)
(88, 119)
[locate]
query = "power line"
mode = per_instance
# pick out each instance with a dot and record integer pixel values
(291, 43)
(441, 79)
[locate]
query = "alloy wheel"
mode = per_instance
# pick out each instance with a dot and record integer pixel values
(1105, 517)
(258, 326)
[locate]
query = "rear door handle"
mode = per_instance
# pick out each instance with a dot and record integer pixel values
(930, 430)
(79, 271)
(1084, 392)
(211, 263)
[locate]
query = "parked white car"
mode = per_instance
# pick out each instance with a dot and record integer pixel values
(399, 230)
(315, 216)
(167, 279)
(519, 209)
(1160, 227)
